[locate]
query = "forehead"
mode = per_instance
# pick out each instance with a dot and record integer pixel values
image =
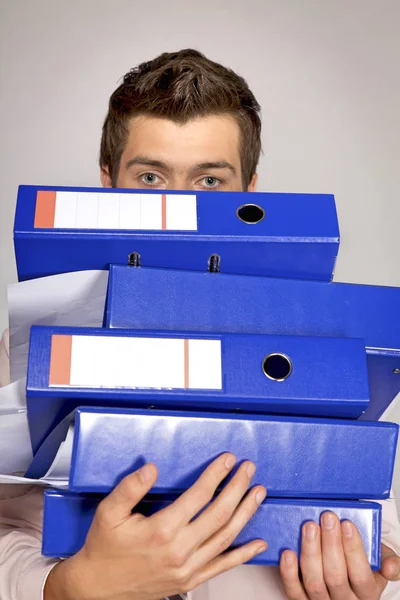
(215, 137)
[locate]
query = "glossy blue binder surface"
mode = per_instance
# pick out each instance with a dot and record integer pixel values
(67, 519)
(205, 302)
(328, 378)
(295, 457)
(298, 237)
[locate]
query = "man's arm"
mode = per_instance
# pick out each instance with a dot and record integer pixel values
(129, 555)
(390, 524)
(391, 541)
(173, 551)
(23, 571)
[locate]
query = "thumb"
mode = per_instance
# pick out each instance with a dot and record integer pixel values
(390, 568)
(118, 505)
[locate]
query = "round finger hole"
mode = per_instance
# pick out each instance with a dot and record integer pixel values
(250, 213)
(277, 367)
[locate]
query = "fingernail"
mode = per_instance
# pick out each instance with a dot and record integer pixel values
(260, 496)
(328, 521)
(146, 473)
(230, 461)
(347, 529)
(310, 530)
(288, 559)
(251, 469)
(261, 548)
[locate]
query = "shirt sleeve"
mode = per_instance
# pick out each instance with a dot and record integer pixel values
(391, 539)
(23, 569)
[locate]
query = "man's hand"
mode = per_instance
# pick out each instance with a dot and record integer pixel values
(334, 565)
(131, 557)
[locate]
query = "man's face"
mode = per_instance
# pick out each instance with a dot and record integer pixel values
(203, 154)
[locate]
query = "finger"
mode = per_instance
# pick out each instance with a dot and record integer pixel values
(189, 504)
(227, 561)
(311, 562)
(390, 568)
(289, 568)
(117, 506)
(222, 508)
(333, 559)
(225, 537)
(361, 576)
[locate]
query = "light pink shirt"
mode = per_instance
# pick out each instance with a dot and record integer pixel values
(23, 571)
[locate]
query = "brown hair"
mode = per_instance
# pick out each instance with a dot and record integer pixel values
(181, 86)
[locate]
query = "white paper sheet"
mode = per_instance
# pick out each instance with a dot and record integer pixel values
(57, 475)
(392, 413)
(15, 444)
(70, 299)
(61, 466)
(13, 398)
(17, 480)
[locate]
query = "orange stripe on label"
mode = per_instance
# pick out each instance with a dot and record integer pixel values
(60, 360)
(164, 211)
(45, 209)
(186, 360)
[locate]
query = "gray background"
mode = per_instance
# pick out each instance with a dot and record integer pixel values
(326, 73)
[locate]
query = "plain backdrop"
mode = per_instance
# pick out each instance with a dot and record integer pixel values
(326, 73)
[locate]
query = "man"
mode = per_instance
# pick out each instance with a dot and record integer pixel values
(184, 122)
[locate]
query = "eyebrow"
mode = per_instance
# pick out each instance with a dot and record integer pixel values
(146, 161)
(158, 164)
(219, 164)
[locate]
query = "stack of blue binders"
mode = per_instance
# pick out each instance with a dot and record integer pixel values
(222, 332)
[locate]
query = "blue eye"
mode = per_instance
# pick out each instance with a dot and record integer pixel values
(149, 178)
(211, 181)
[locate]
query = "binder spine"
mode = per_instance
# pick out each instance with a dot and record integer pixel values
(233, 303)
(69, 229)
(67, 519)
(354, 460)
(193, 371)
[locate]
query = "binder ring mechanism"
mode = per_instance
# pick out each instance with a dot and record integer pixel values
(214, 261)
(396, 371)
(277, 367)
(250, 213)
(134, 259)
